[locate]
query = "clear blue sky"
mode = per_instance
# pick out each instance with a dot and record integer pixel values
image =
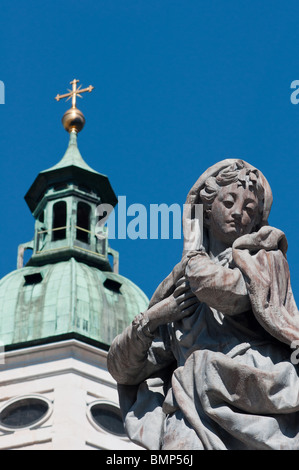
(179, 85)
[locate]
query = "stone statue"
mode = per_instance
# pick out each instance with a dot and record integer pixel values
(209, 364)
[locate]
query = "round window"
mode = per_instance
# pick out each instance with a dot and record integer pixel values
(23, 412)
(108, 417)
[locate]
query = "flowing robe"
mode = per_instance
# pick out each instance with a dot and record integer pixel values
(225, 377)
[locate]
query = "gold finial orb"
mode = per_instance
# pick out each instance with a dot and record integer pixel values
(73, 119)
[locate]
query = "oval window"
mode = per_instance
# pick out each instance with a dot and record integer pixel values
(23, 413)
(108, 417)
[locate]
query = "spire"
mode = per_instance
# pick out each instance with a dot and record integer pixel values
(72, 167)
(72, 156)
(73, 121)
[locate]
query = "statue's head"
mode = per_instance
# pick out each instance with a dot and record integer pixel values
(232, 202)
(236, 199)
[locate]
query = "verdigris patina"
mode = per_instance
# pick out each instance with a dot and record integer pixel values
(209, 364)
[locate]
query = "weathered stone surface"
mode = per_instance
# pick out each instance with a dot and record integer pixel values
(210, 364)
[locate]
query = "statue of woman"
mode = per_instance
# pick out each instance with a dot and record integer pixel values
(209, 364)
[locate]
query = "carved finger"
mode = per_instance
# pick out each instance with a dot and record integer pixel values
(186, 296)
(184, 287)
(188, 311)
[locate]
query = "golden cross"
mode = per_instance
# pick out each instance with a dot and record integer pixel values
(74, 92)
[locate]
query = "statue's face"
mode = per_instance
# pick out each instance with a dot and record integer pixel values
(234, 213)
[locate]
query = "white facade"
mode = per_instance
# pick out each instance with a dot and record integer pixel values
(69, 377)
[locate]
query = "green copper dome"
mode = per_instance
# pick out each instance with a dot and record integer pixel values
(68, 298)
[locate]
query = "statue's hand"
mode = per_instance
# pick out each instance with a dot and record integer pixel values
(185, 300)
(180, 304)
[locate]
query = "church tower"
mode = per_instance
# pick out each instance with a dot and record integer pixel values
(60, 312)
